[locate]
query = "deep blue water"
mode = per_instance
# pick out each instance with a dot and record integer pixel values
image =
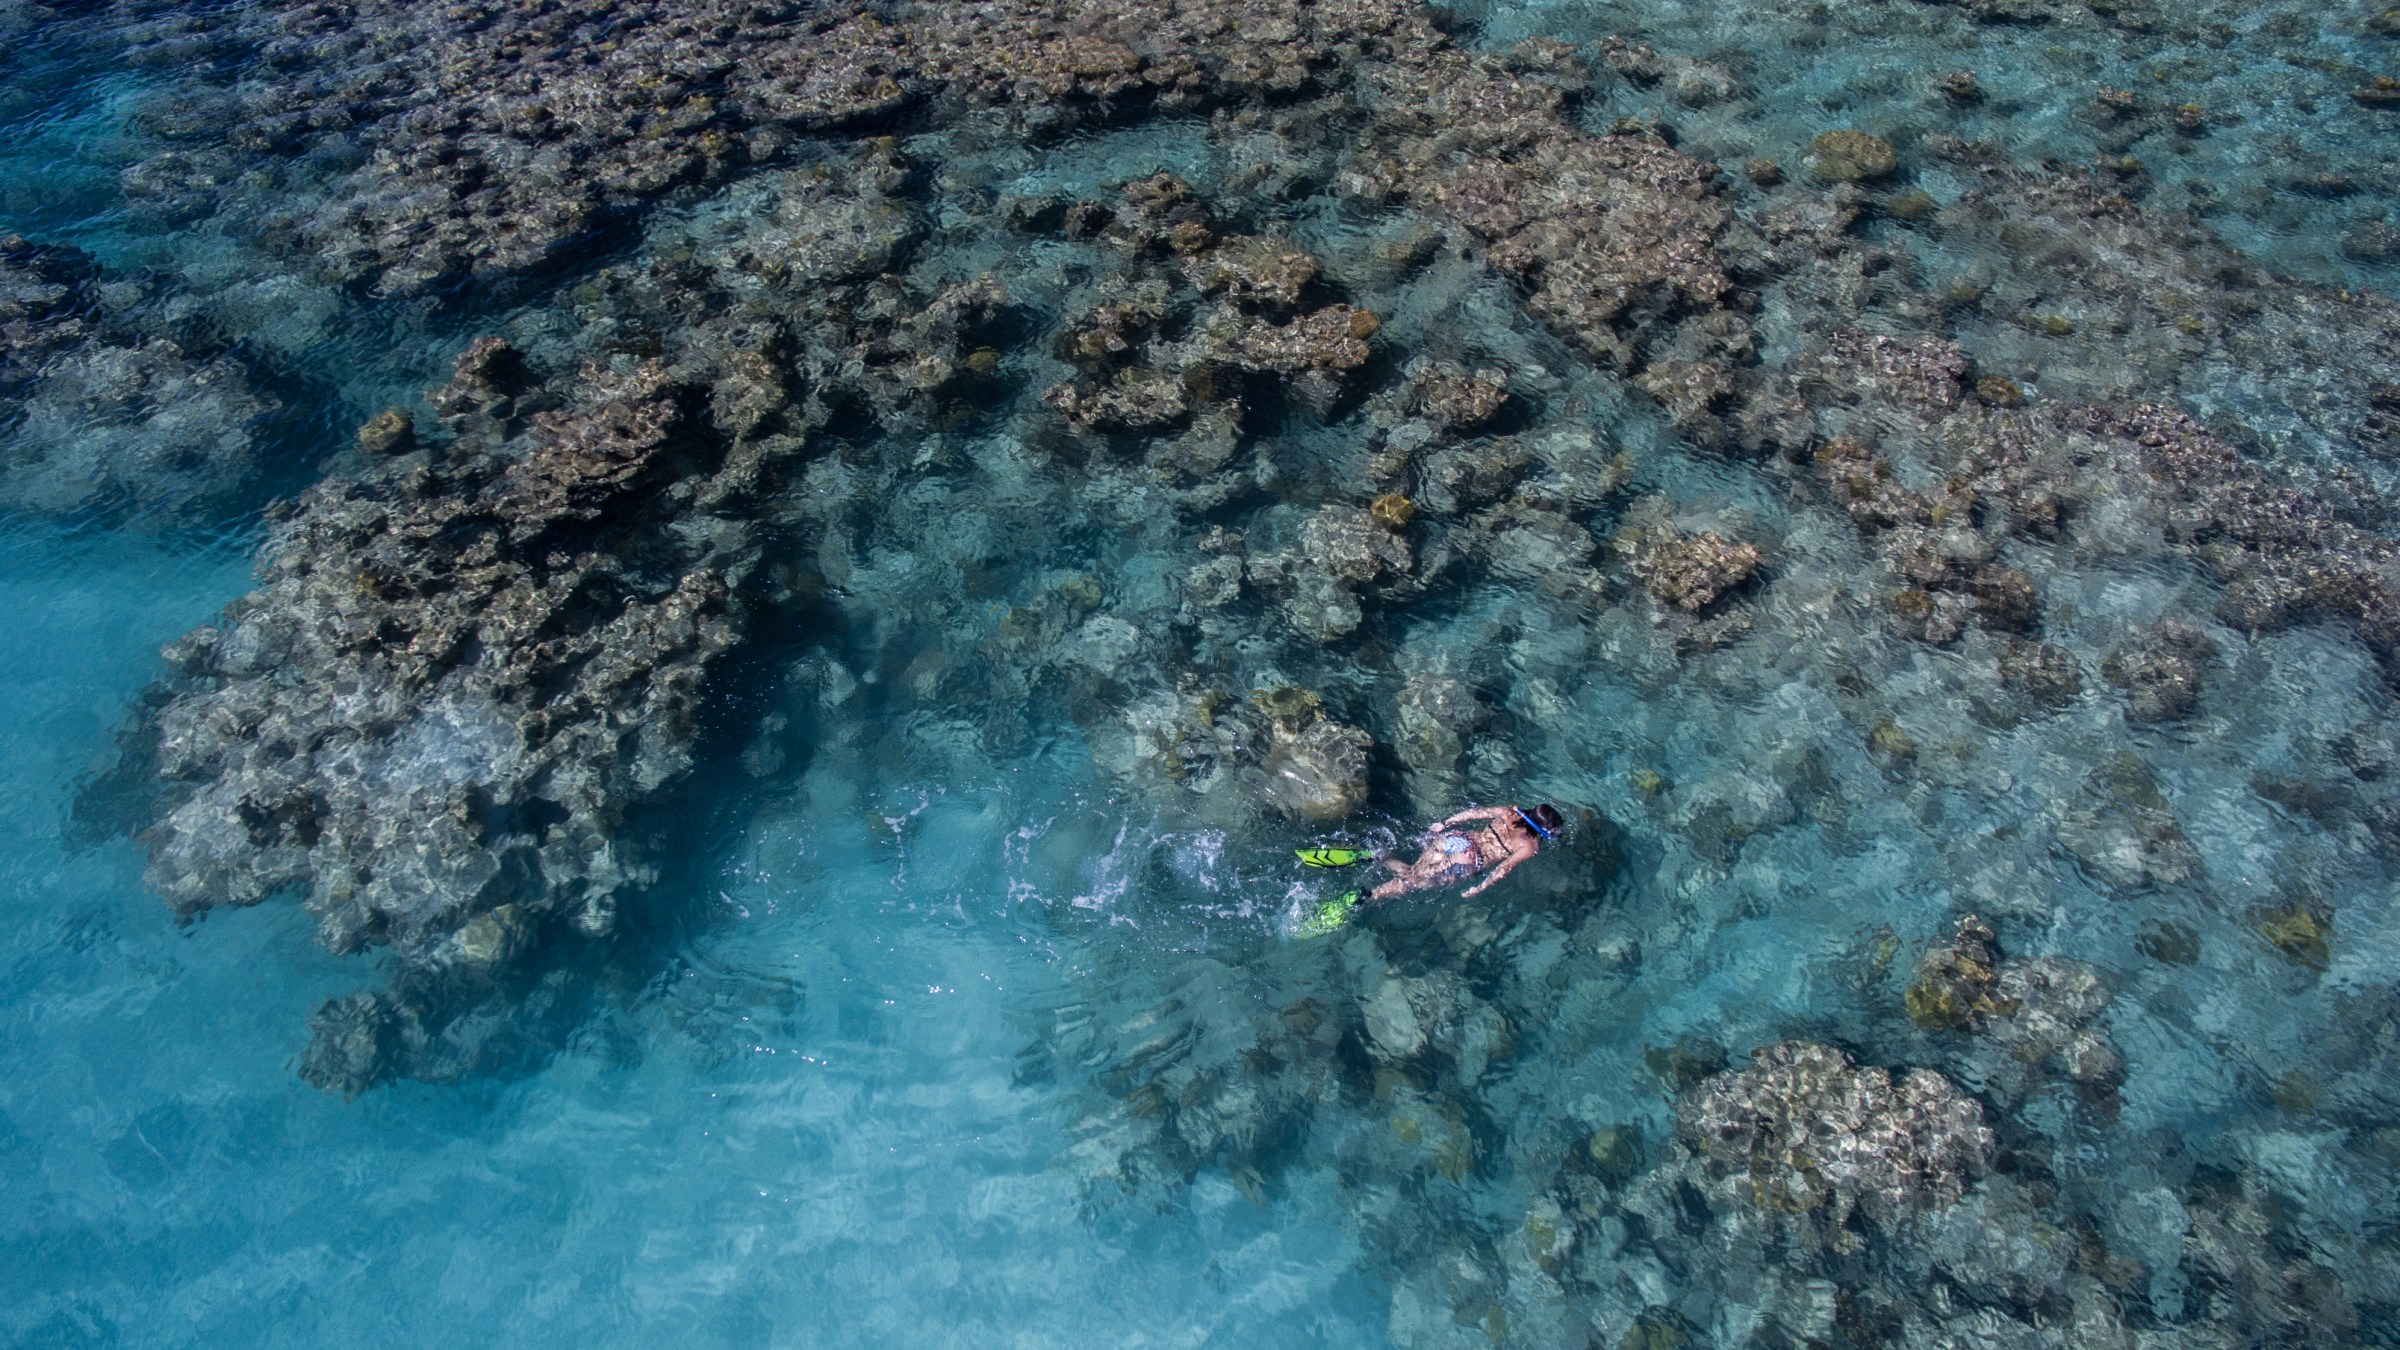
(873, 1070)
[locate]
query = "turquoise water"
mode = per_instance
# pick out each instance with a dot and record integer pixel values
(955, 997)
(808, 1129)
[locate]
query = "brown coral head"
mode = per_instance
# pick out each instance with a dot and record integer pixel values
(1287, 706)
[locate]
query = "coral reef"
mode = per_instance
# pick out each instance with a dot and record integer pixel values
(858, 384)
(1436, 713)
(472, 661)
(1850, 156)
(1139, 380)
(460, 670)
(107, 411)
(2161, 671)
(2032, 1013)
(1276, 748)
(1690, 571)
(1803, 1130)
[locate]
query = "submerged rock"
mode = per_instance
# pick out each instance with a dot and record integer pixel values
(1233, 306)
(1804, 1131)
(1452, 401)
(1337, 550)
(1278, 750)
(2031, 1012)
(1954, 979)
(2302, 934)
(1850, 156)
(476, 660)
(2282, 556)
(2161, 671)
(1317, 773)
(49, 302)
(1436, 713)
(2047, 675)
(1393, 1030)
(140, 426)
(1352, 545)
(1691, 571)
(2125, 830)
(1256, 273)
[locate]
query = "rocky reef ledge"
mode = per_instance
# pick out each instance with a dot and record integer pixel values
(108, 408)
(463, 666)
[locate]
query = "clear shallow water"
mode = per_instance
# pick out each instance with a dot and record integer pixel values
(810, 1130)
(882, 1061)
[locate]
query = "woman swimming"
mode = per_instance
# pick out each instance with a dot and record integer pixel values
(1487, 837)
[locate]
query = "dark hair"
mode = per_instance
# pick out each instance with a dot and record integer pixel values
(1549, 817)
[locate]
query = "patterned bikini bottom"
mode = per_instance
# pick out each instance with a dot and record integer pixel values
(1461, 859)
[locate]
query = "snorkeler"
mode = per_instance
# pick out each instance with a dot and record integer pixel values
(1496, 839)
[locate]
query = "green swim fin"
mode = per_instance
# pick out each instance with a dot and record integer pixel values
(1334, 857)
(1329, 917)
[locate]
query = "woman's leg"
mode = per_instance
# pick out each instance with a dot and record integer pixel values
(1412, 876)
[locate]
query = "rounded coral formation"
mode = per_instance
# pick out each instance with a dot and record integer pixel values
(1850, 156)
(1802, 1129)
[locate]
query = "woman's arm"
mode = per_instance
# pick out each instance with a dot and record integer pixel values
(1474, 813)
